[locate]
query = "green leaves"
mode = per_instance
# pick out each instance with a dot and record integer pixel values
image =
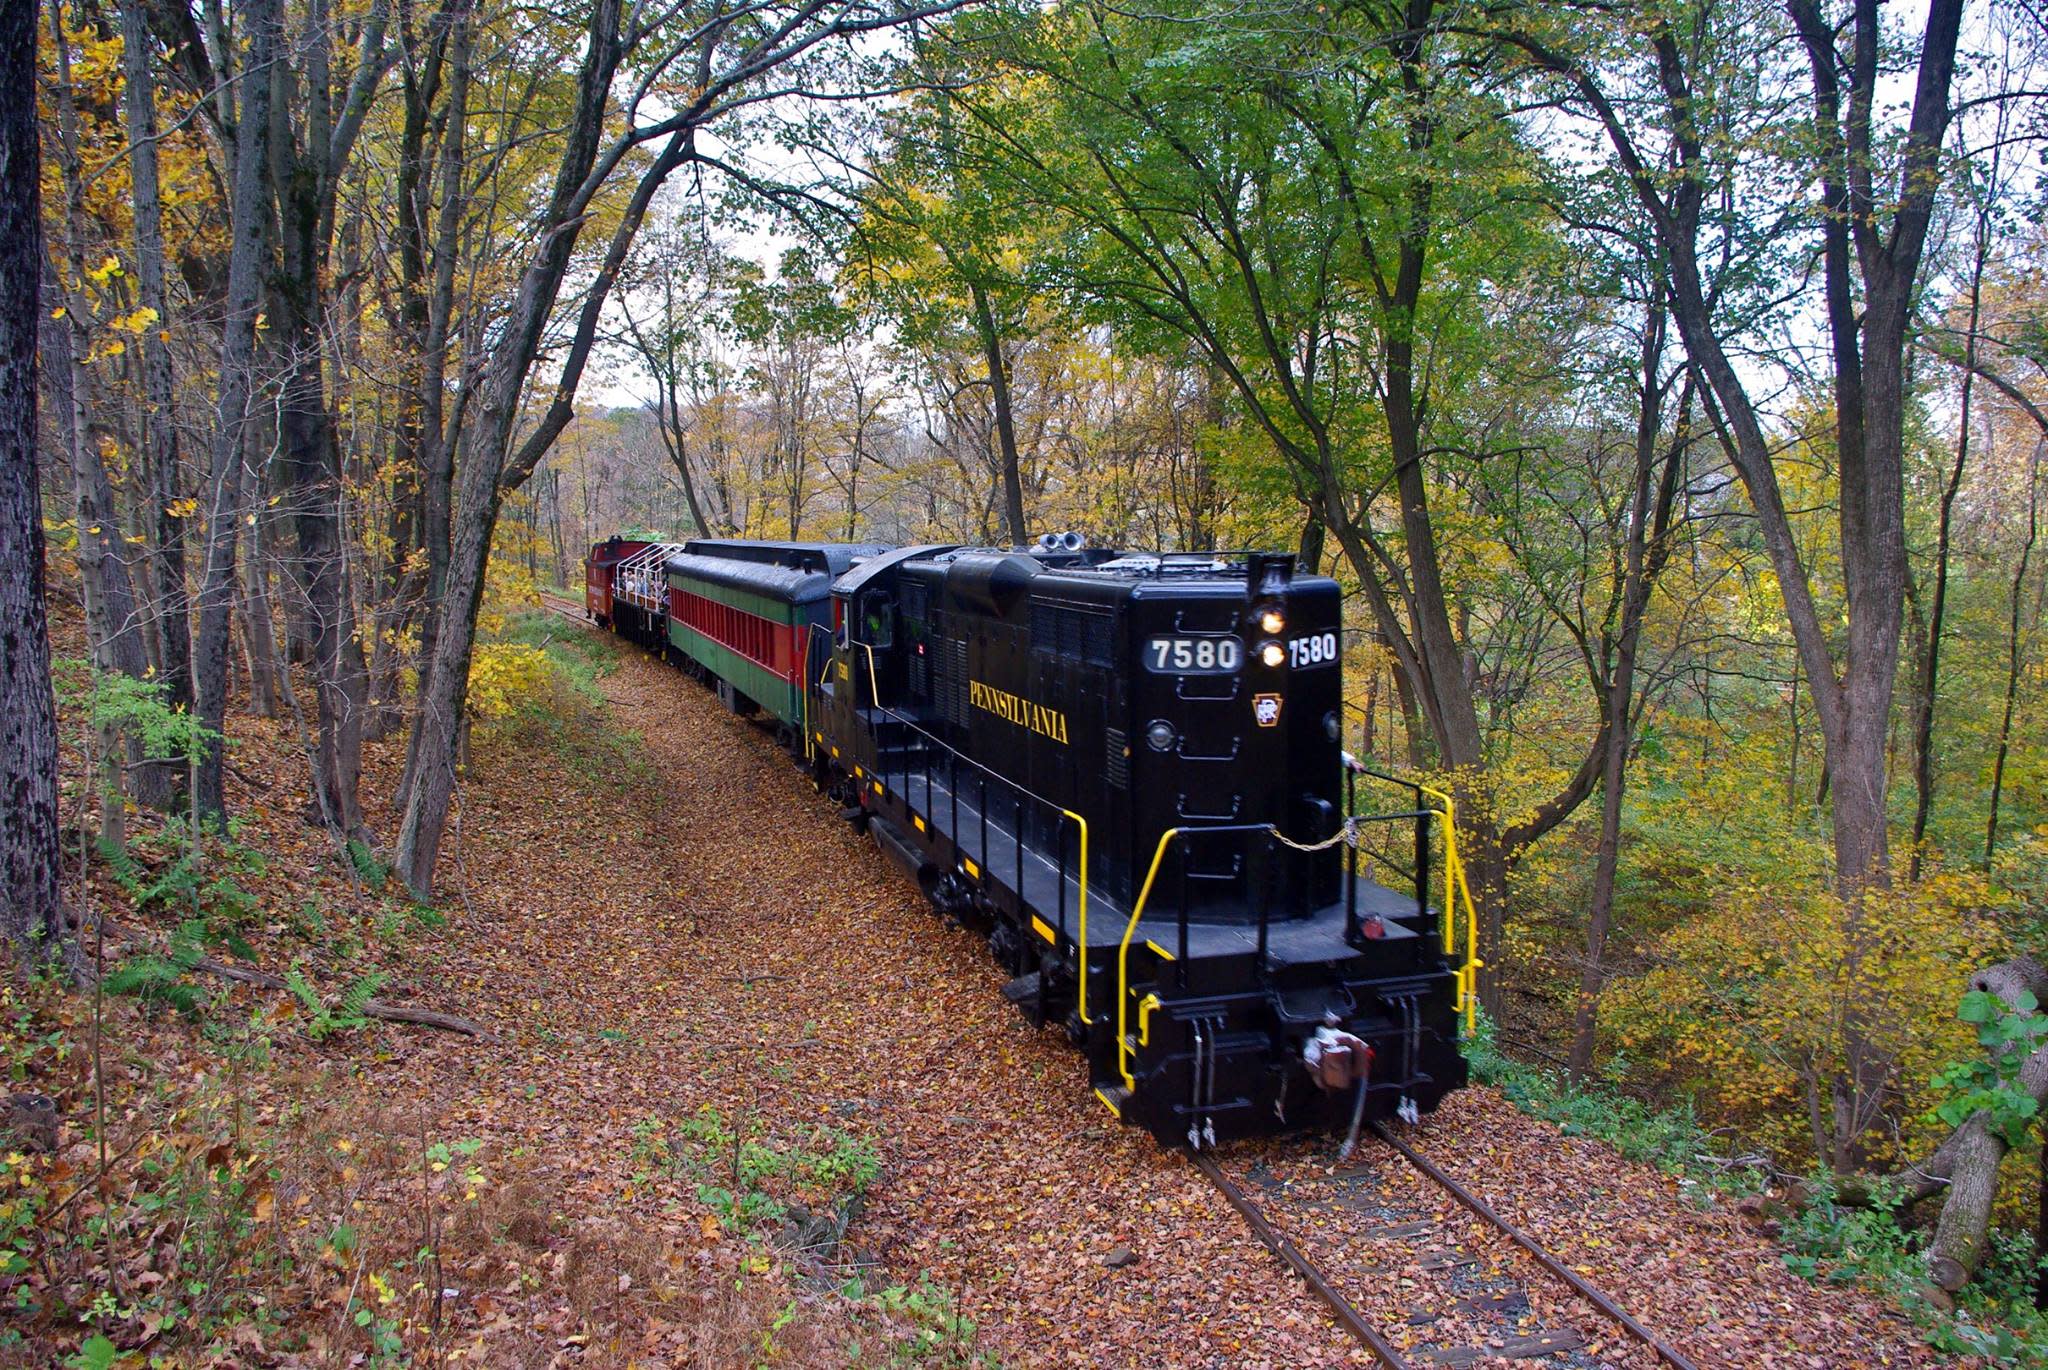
(96, 1354)
(2009, 1035)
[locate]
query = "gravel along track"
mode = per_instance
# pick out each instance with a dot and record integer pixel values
(739, 946)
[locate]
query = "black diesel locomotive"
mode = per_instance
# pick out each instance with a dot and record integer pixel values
(1125, 769)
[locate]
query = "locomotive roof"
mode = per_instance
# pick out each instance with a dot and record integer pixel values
(851, 582)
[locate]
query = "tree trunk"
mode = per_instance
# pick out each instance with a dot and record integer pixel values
(164, 527)
(1648, 548)
(312, 463)
(1927, 678)
(1006, 423)
(113, 625)
(429, 781)
(2014, 656)
(31, 917)
(1606, 861)
(259, 631)
(437, 436)
(1309, 554)
(247, 251)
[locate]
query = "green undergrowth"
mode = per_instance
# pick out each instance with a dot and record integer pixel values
(219, 892)
(584, 657)
(799, 1188)
(748, 1177)
(537, 684)
(1822, 1239)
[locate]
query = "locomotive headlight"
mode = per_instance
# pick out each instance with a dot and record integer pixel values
(1159, 733)
(1273, 622)
(1273, 654)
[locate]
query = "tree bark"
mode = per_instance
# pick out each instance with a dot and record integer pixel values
(259, 631)
(249, 237)
(164, 527)
(2014, 656)
(1006, 422)
(113, 625)
(1649, 523)
(1927, 678)
(311, 142)
(31, 915)
(429, 782)
(437, 437)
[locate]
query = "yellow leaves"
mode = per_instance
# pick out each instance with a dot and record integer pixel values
(107, 271)
(182, 508)
(1748, 1004)
(136, 321)
(503, 676)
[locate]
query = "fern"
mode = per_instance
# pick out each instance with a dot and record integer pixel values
(358, 997)
(160, 979)
(303, 992)
(369, 869)
(345, 1015)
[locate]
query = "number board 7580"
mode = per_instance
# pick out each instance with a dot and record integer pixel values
(1193, 655)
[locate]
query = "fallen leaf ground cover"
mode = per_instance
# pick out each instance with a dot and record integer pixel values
(742, 1099)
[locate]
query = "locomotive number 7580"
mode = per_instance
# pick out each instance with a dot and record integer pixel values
(1193, 655)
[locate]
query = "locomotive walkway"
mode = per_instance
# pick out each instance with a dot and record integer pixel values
(707, 932)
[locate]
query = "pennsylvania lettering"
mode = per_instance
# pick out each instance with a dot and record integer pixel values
(1019, 710)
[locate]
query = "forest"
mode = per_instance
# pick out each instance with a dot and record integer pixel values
(1664, 381)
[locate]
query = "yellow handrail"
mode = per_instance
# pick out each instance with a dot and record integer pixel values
(810, 748)
(874, 681)
(1083, 902)
(1456, 892)
(1123, 960)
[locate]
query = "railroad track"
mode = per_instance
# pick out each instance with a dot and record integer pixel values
(557, 604)
(1485, 1316)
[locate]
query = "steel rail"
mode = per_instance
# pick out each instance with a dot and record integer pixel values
(1275, 1242)
(1591, 1295)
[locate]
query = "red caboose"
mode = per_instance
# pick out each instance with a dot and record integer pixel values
(598, 567)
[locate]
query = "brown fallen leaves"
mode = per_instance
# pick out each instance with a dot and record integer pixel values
(699, 936)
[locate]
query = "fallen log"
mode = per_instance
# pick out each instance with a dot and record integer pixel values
(374, 1008)
(263, 979)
